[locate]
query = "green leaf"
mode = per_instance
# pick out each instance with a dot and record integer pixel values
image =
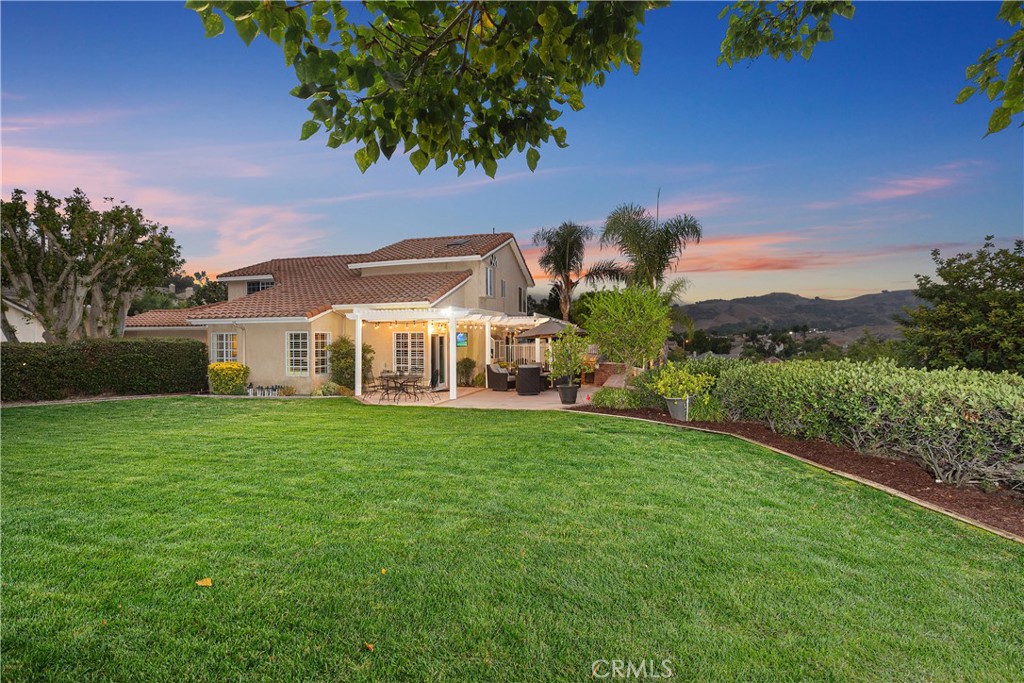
(419, 160)
(999, 120)
(965, 94)
(247, 30)
(532, 157)
(363, 160)
(309, 128)
(213, 24)
(490, 166)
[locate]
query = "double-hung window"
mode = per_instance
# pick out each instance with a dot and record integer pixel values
(225, 347)
(522, 300)
(297, 353)
(321, 358)
(410, 352)
(502, 289)
(489, 281)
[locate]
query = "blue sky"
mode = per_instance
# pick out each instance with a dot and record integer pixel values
(832, 178)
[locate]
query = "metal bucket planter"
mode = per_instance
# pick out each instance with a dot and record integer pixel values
(679, 408)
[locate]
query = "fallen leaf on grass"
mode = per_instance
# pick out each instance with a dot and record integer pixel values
(369, 646)
(383, 570)
(205, 583)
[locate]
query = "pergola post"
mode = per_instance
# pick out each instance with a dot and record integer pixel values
(536, 351)
(359, 355)
(489, 347)
(452, 376)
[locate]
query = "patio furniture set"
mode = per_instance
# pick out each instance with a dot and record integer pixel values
(393, 386)
(527, 380)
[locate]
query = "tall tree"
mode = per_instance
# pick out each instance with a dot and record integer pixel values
(207, 291)
(77, 269)
(475, 82)
(785, 29)
(466, 82)
(974, 316)
(651, 248)
(562, 258)
(630, 325)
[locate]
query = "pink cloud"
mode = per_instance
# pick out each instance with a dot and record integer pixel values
(14, 124)
(905, 187)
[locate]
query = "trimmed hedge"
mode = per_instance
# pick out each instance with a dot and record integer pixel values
(964, 426)
(45, 372)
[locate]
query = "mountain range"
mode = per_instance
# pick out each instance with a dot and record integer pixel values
(782, 310)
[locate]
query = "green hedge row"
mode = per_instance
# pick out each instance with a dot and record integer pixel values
(42, 372)
(964, 426)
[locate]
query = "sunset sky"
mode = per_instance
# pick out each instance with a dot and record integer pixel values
(832, 178)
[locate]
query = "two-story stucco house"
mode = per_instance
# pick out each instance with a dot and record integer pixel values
(422, 304)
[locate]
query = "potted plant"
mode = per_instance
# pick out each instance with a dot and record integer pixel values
(676, 385)
(568, 355)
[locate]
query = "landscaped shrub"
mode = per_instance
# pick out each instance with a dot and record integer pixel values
(464, 371)
(342, 353)
(286, 390)
(962, 425)
(40, 372)
(616, 398)
(648, 396)
(328, 388)
(228, 378)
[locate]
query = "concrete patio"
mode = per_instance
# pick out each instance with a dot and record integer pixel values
(475, 397)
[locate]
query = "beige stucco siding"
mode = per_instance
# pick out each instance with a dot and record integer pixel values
(473, 293)
(261, 346)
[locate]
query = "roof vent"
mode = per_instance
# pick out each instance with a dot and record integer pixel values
(459, 242)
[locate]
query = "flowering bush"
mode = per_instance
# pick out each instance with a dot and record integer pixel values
(228, 378)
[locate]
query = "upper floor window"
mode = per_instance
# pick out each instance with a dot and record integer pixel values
(253, 286)
(502, 289)
(489, 281)
(522, 300)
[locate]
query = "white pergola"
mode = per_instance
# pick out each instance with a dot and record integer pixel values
(450, 316)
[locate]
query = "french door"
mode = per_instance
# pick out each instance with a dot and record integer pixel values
(438, 362)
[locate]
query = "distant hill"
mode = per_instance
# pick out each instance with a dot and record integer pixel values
(781, 310)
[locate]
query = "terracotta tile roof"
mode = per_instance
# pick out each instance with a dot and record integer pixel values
(309, 286)
(163, 317)
(437, 247)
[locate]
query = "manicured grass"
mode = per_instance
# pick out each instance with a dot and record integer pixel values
(518, 547)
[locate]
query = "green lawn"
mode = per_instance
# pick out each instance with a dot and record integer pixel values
(518, 547)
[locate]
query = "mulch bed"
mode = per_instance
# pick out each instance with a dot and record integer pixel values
(1001, 509)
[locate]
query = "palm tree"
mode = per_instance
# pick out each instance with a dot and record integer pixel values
(562, 258)
(650, 248)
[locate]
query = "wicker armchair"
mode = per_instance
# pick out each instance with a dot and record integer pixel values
(528, 380)
(498, 378)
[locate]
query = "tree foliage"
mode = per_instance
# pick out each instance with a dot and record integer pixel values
(206, 291)
(78, 269)
(785, 29)
(974, 313)
(630, 325)
(651, 248)
(466, 82)
(562, 258)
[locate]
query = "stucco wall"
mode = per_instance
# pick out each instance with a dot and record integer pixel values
(25, 326)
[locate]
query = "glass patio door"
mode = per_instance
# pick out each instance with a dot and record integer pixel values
(438, 362)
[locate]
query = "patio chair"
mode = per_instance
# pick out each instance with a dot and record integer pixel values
(498, 378)
(528, 380)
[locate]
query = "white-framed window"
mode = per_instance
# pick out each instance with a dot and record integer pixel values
(296, 353)
(522, 300)
(502, 289)
(253, 286)
(224, 348)
(489, 281)
(410, 352)
(321, 357)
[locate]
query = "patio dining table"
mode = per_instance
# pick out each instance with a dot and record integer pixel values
(394, 385)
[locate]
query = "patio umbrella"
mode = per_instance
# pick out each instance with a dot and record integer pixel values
(550, 328)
